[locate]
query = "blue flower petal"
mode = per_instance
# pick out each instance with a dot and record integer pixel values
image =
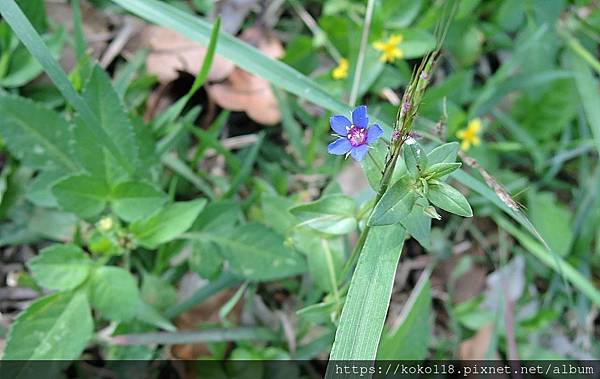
(340, 124)
(359, 152)
(339, 147)
(359, 117)
(374, 133)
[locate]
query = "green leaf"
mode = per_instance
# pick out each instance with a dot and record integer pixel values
(35, 135)
(398, 13)
(39, 190)
(60, 267)
(35, 10)
(89, 153)
(58, 326)
(166, 224)
(439, 170)
(255, 252)
(114, 293)
(134, 200)
(368, 298)
(418, 225)
(395, 204)
(587, 88)
(325, 258)
(333, 214)
(24, 67)
(149, 315)
(105, 103)
(415, 158)
(445, 153)
(205, 259)
(84, 195)
(449, 199)
(409, 337)
(416, 43)
(554, 108)
(553, 220)
(157, 292)
(23, 29)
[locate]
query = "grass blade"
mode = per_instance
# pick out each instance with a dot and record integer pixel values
(175, 110)
(178, 166)
(246, 168)
(364, 312)
(26, 33)
(587, 86)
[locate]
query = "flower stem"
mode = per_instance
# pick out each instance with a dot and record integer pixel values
(383, 186)
(364, 39)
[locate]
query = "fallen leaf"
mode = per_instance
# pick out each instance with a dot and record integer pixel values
(476, 347)
(95, 25)
(205, 313)
(245, 92)
(171, 52)
(233, 13)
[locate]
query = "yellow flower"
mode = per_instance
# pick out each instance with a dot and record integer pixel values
(341, 71)
(469, 135)
(389, 49)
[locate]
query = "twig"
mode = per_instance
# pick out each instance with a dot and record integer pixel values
(117, 44)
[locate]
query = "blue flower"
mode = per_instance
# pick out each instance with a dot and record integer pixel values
(354, 136)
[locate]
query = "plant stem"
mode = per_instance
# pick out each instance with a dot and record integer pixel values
(383, 186)
(361, 53)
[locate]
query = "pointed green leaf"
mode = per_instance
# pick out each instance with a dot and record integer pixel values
(440, 170)
(114, 293)
(60, 267)
(35, 135)
(418, 225)
(58, 326)
(166, 224)
(134, 200)
(105, 103)
(256, 252)
(333, 214)
(83, 195)
(395, 204)
(449, 199)
(415, 158)
(445, 153)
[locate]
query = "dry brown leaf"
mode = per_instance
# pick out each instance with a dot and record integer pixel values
(207, 312)
(475, 348)
(245, 92)
(95, 25)
(171, 52)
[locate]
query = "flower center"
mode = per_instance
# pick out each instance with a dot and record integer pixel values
(357, 136)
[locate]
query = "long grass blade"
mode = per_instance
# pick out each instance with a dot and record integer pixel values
(363, 316)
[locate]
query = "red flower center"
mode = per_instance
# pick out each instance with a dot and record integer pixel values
(357, 136)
